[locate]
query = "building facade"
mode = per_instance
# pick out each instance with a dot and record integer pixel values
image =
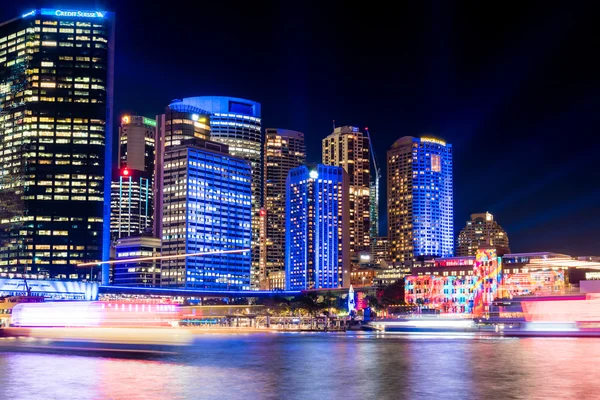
(284, 150)
(420, 199)
(56, 98)
(481, 231)
(380, 250)
(132, 187)
(349, 148)
(317, 242)
(237, 123)
(137, 272)
(206, 213)
(179, 123)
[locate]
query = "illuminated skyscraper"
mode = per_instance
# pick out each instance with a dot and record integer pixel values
(56, 99)
(179, 123)
(206, 209)
(481, 231)
(420, 198)
(317, 246)
(349, 148)
(237, 123)
(132, 190)
(284, 150)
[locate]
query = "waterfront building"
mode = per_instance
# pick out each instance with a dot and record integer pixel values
(206, 213)
(56, 99)
(480, 231)
(139, 272)
(284, 149)
(317, 242)
(470, 284)
(237, 123)
(180, 122)
(349, 148)
(420, 199)
(132, 190)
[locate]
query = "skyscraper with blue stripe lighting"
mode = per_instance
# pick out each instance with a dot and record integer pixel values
(420, 199)
(317, 228)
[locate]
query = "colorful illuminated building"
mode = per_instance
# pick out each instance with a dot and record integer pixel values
(420, 199)
(56, 99)
(236, 123)
(317, 243)
(470, 284)
(207, 213)
(349, 148)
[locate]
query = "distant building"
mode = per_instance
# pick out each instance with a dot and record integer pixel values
(317, 245)
(481, 231)
(380, 250)
(236, 123)
(349, 148)
(132, 187)
(420, 199)
(137, 273)
(284, 150)
(206, 209)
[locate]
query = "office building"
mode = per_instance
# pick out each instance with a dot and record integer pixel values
(237, 123)
(137, 272)
(317, 242)
(420, 199)
(374, 189)
(132, 189)
(206, 214)
(349, 148)
(380, 250)
(284, 150)
(481, 231)
(179, 123)
(56, 99)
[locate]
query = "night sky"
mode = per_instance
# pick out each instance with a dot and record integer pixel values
(515, 90)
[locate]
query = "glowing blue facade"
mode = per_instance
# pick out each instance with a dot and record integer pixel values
(206, 208)
(237, 123)
(317, 226)
(420, 199)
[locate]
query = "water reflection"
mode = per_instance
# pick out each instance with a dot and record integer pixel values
(325, 366)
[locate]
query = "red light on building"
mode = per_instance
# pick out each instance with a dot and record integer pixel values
(125, 172)
(262, 212)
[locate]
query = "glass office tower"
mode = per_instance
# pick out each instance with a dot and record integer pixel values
(56, 78)
(349, 148)
(132, 189)
(420, 199)
(237, 123)
(207, 213)
(317, 226)
(284, 149)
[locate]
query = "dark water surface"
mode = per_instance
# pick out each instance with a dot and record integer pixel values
(319, 366)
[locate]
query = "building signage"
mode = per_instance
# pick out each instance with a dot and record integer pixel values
(149, 121)
(29, 14)
(74, 13)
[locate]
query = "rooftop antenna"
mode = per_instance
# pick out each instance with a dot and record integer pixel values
(334, 124)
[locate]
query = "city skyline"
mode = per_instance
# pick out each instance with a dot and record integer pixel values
(564, 216)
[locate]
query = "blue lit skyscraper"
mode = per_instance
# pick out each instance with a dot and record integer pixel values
(237, 123)
(420, 199)
(317, 228)
(206, 208)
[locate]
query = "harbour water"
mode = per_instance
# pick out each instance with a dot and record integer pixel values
(318, 366)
